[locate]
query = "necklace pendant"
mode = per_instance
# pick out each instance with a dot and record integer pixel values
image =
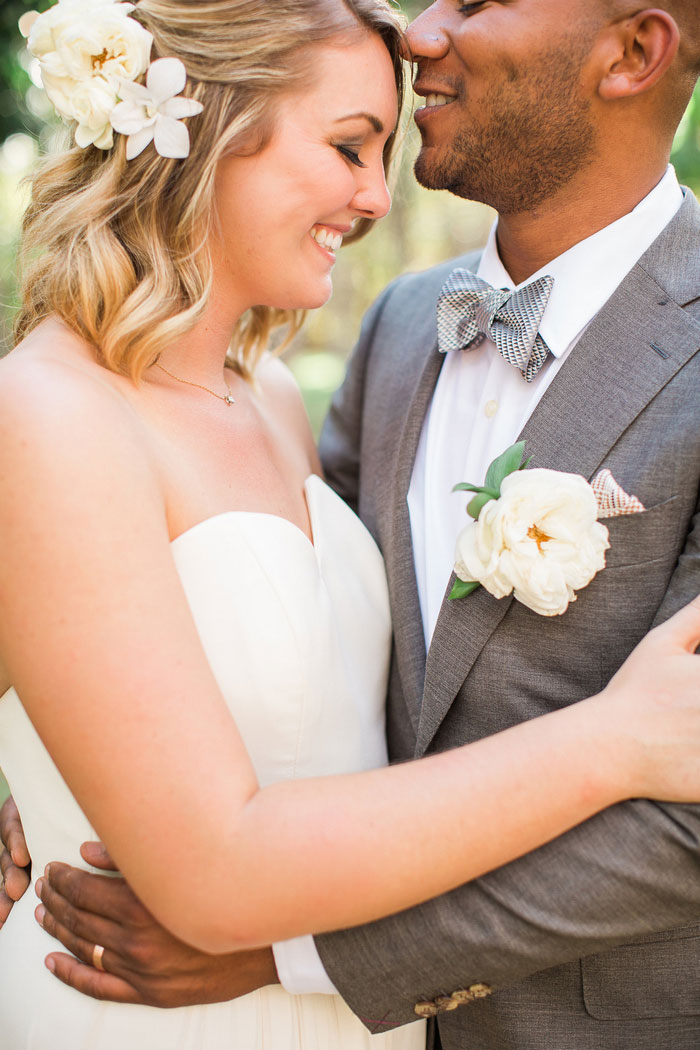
(230, 400)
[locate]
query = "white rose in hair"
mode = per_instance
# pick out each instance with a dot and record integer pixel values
(90, 104)
(540, 540)
(86, 49)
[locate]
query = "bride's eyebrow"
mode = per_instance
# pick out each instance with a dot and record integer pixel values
(369, 117)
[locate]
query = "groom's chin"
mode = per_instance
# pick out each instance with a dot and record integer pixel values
(427, 175)
(434, 175)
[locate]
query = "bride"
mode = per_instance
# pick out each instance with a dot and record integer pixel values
(193, 628)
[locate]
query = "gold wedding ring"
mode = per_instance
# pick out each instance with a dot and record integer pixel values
(97, 953)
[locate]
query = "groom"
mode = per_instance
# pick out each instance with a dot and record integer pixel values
(560, 114)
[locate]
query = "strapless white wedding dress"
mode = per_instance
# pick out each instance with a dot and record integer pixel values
(298, 636)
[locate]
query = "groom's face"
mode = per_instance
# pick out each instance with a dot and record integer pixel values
(517, 73)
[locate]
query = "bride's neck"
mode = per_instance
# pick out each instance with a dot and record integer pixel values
(200, 355)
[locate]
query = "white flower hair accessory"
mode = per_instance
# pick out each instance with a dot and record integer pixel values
(90, 54)
(152, 113)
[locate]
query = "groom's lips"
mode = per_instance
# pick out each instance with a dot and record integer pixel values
(426, 89)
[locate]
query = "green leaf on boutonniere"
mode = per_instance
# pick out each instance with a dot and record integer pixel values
(475, 506)
(481, 498)
(462, 589)
(507, 463)
(465, 486)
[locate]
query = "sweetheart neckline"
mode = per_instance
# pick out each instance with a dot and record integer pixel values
(312, 543)
(313, 546)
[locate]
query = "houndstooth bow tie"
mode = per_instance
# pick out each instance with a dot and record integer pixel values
(469, 310)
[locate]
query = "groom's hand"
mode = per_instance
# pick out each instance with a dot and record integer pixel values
(143, 963)
(14, 859)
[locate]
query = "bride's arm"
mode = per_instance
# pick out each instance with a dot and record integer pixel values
(101, 646)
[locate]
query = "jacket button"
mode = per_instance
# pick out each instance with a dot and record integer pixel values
(480, 991)
(446, 1002)
(425, 1009)
(462, 995)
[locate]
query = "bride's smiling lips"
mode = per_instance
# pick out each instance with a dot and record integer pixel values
(328, 237)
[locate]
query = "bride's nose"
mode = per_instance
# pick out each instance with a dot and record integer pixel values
(372, 198)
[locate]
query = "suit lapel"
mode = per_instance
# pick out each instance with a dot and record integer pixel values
(408, 625)
(606, 382)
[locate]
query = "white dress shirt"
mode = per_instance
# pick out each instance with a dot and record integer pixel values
(480, 405)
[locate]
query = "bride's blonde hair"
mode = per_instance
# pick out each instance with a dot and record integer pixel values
(119, 249)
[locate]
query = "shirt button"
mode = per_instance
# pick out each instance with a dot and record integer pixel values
(490, 409)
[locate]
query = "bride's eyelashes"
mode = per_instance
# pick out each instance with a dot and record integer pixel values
(350, 153)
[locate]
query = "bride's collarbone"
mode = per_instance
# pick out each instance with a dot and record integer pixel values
(202, 481)
(189, 505)
(211, 458)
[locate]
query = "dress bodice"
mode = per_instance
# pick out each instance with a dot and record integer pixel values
(297, 635)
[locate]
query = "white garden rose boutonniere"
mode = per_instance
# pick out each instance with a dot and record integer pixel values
(535, 535)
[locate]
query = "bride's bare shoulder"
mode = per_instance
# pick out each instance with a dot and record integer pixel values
(59, 406)
(53, 373)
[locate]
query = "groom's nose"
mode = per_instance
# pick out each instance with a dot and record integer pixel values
(426, 36)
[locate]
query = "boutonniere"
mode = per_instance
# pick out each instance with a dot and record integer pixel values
(535, 535)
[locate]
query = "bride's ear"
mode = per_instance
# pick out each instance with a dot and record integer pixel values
(638, 51)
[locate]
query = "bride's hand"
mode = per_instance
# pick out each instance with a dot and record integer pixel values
(655, 698)
(14, 859)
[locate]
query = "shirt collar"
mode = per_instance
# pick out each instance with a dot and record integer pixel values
(587, 274)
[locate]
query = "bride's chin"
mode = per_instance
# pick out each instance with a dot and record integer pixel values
(313, 299)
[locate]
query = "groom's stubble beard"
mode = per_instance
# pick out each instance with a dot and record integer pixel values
(533, 133)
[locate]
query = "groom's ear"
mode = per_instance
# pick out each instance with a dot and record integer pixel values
(636, 53)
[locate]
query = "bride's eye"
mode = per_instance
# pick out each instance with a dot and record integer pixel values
(470, 9)
(350, 154)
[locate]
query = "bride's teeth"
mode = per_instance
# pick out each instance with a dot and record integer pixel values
(327, 238)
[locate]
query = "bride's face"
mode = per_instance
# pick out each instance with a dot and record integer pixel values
(283, 211)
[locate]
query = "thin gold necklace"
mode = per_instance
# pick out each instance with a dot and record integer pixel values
(226, 398)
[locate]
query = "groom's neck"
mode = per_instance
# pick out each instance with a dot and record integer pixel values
(527, 241)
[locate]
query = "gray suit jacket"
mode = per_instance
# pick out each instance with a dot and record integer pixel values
(568, 937)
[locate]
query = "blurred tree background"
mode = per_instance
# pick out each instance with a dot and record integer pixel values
(421, 229)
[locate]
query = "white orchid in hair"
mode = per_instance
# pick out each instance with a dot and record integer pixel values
(153, 112)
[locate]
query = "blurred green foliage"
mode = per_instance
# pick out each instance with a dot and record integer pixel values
(686, 149)
(15, 103)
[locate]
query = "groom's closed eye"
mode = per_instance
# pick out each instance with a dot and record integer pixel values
(470, 9)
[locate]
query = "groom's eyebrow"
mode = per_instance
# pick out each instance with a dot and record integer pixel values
(369, 117)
